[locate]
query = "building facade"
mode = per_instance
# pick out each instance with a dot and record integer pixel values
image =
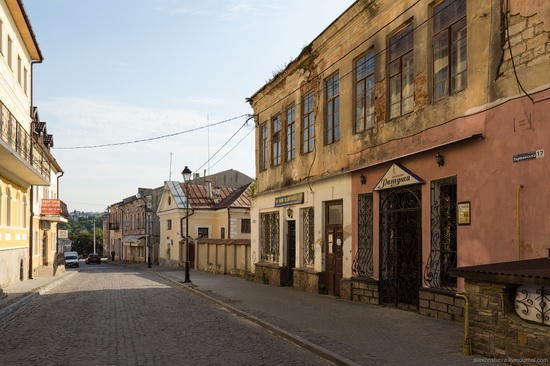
(407, 139)
(214, 213)
(28, 172)
(131, 227)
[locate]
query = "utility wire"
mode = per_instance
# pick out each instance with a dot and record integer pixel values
(151, 138)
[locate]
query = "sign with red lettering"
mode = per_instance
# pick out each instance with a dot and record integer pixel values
(50, 207)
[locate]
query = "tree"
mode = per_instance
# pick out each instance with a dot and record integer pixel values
(81, 233)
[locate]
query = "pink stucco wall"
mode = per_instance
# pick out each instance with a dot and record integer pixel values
(486, 176)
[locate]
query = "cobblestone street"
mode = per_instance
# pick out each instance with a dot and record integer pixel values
(106, 315)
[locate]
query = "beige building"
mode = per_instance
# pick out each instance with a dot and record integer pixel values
(214, 212)
(28, 172)
(405, 140)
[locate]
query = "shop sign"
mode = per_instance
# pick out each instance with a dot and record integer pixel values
(50, 207)
(398, 176)
(291, 199)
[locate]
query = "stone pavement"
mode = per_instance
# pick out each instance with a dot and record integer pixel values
(20, 293)
(344, 332)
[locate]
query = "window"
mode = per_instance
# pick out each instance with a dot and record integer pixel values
(291, 133)
(19, 71)
(9, 55)
(1, 37)
(222, 233)
(245, 225)
(25, 81)
(276, 141)
(364, 92)
(332, 133)
(449, 48)
(269, 237)
(308, 119)
(309, 236)
(263, 147)
(168, 224)
(443, 246)
(401, 72)
(202, 232)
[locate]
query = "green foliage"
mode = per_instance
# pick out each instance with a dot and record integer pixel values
(81, 233)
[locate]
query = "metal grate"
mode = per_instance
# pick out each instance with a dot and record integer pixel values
(362, 262)
(309, 241)
(443, 247)
(269, 237)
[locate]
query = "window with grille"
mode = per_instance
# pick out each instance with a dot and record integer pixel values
(449, 48)
(332, 127)
(308, 119)
(269, 237)
(276, 141)
(401, 72)
(309, 238)
(291, 133)
(443, 243)
(364, 92)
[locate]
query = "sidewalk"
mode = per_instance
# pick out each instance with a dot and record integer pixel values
(21, 293)
(344, 332)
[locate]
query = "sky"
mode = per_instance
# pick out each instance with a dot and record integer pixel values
(135, 90)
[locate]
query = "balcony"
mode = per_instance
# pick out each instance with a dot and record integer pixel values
(23, 160)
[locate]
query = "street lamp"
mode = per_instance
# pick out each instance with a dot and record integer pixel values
(186, 174)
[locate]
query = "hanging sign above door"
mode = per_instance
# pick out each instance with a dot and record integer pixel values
(398, 176)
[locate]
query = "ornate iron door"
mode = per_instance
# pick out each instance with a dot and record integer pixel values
(400, 247)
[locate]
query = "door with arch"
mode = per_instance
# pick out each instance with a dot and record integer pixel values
(400, 246)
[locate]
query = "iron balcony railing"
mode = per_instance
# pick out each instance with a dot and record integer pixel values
(15, 136)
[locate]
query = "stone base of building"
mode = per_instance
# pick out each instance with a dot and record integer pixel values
(441, 304)
(364, 290)
(308, 280)
(270, 274)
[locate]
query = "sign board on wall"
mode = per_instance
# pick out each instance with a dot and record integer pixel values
(291, 199)
(398, 176)
(50, 207)
(63, 234)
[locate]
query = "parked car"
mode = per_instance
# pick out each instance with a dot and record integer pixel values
(93, 258)
(71, 259)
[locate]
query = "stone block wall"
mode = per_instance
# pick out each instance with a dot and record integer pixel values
(441, 304)
(307, 280)
(269, 274)
(497, 332)
(364, 290)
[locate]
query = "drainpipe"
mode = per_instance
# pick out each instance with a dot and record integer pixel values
(467, 347)
(31, 226)
(518, 218)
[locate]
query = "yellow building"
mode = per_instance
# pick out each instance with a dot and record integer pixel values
(26, 165)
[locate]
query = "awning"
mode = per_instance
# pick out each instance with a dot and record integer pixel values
(132, 238)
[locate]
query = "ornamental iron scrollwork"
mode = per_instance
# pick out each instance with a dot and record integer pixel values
(400, 247)
(532, 303)
(443, 244)
(309, 238)
(269, 237)
(362, 261)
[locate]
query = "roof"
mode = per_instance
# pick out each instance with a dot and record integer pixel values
(529, 272)
(218, 197)
(25, 29)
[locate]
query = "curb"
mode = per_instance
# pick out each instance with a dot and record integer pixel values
(33, 294)
(299, 341)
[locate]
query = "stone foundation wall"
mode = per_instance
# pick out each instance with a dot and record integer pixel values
(269, 274)
(496, 330)
(441, 304)
(308, 280)
(364, 290)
